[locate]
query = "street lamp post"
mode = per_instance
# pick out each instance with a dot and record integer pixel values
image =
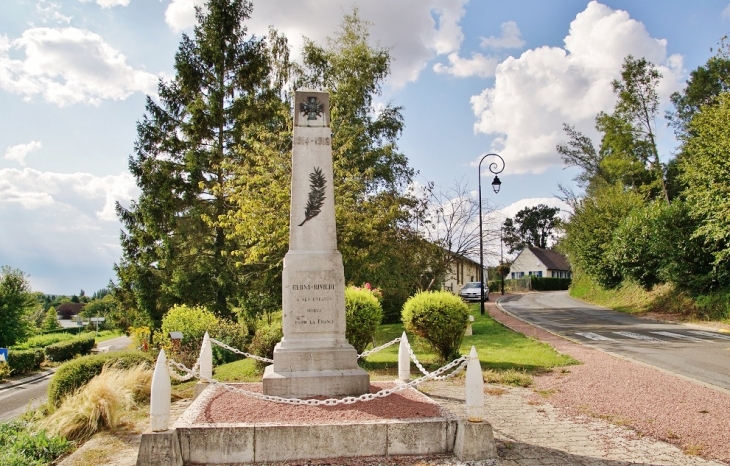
(493, 167)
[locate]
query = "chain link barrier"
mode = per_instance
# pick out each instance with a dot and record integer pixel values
(189, 375)
(237, 351)
(459, 364)
(367, 353)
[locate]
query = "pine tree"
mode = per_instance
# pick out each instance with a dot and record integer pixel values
(175, 247)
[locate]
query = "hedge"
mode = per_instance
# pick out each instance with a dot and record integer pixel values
(74, 374)
(25, 361)
(41, 341)
(549, 284)
(65, 350)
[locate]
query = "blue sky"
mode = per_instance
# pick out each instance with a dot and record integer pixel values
(473, 77)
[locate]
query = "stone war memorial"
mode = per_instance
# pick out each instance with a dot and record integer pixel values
(313, 358)
(314, 401)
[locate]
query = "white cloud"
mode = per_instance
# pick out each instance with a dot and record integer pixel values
(432, 26)
(534, 94)
(49, 12)
(108, 3)
(68, 66)
(20, 151)
(477, 65)
(89, 198)
(511, 38)
(60, 228)
(726, 12)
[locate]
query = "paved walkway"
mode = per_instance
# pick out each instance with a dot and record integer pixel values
(536, 434)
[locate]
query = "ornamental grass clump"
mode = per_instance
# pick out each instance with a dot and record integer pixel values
(363, 314)
(102, 404)
(440, 318)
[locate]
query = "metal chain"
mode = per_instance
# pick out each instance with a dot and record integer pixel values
(184, 378)
(248, 355)
(423, 369)
(375, 350)
(460, 362)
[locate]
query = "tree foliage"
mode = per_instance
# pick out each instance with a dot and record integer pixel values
(176, 248)
(16, 304)
(706, 173)
(532, 226)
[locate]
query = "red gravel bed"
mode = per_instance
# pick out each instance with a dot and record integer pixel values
(226, 406)
(650, 401)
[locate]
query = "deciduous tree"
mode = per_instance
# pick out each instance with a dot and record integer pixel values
(16, 304)
(532, 226)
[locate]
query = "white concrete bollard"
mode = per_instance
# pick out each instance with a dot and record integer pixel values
(160, 394)
(474, 388)
(468, 331)
(206, 358)
(404, 359)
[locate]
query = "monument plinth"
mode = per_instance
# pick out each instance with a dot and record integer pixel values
(313, 358)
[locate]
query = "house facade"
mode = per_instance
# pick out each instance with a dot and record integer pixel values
(461, 270)
(540, 263)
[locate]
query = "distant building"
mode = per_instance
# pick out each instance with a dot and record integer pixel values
(461, 270)
(540, 263)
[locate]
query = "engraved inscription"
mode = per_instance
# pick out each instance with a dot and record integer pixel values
(317, 141)
(313, 295)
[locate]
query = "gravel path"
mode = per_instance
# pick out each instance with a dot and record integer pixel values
(652, 402)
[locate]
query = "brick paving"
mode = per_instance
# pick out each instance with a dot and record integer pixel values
(530, 434)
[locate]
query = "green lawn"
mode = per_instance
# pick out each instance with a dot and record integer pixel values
(499, 348)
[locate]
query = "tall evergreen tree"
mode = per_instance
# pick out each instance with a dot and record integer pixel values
(175, 247)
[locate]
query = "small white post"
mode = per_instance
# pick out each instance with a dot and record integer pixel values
(468, 330)
(206, 358)
(404, 359)
(160, 394)
(474, 388)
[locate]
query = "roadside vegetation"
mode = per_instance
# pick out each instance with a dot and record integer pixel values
(646, 235)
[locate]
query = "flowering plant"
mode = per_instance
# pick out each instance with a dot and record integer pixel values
(375, 291)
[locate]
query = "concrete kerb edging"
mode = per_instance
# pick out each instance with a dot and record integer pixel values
(620, 356)
(27, 380)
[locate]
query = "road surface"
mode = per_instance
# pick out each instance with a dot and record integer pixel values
(14, 401)
(692, 351)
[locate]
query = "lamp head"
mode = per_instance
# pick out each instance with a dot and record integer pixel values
(496, 184)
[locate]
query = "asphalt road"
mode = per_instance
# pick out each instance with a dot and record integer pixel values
(692, 351)
(16, 400)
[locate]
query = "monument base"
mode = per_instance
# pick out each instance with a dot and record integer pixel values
(330, 383)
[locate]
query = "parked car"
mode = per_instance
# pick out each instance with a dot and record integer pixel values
(470, 292)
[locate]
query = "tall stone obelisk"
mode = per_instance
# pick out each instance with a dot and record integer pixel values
(313, 358)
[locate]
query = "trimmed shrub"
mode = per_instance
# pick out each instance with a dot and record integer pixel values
(549, 283)
(440, 318)
(4, 370)
(363, 314)
(41, 341)
(193, 322)
(25, 361)
(268, 334)
(65, 350)
(74, 374)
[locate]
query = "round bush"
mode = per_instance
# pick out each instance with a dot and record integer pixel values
(363, 314)
(74, 374)
(193, 322)
(440, 318)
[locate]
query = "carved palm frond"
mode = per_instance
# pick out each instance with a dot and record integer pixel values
(317, 183)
